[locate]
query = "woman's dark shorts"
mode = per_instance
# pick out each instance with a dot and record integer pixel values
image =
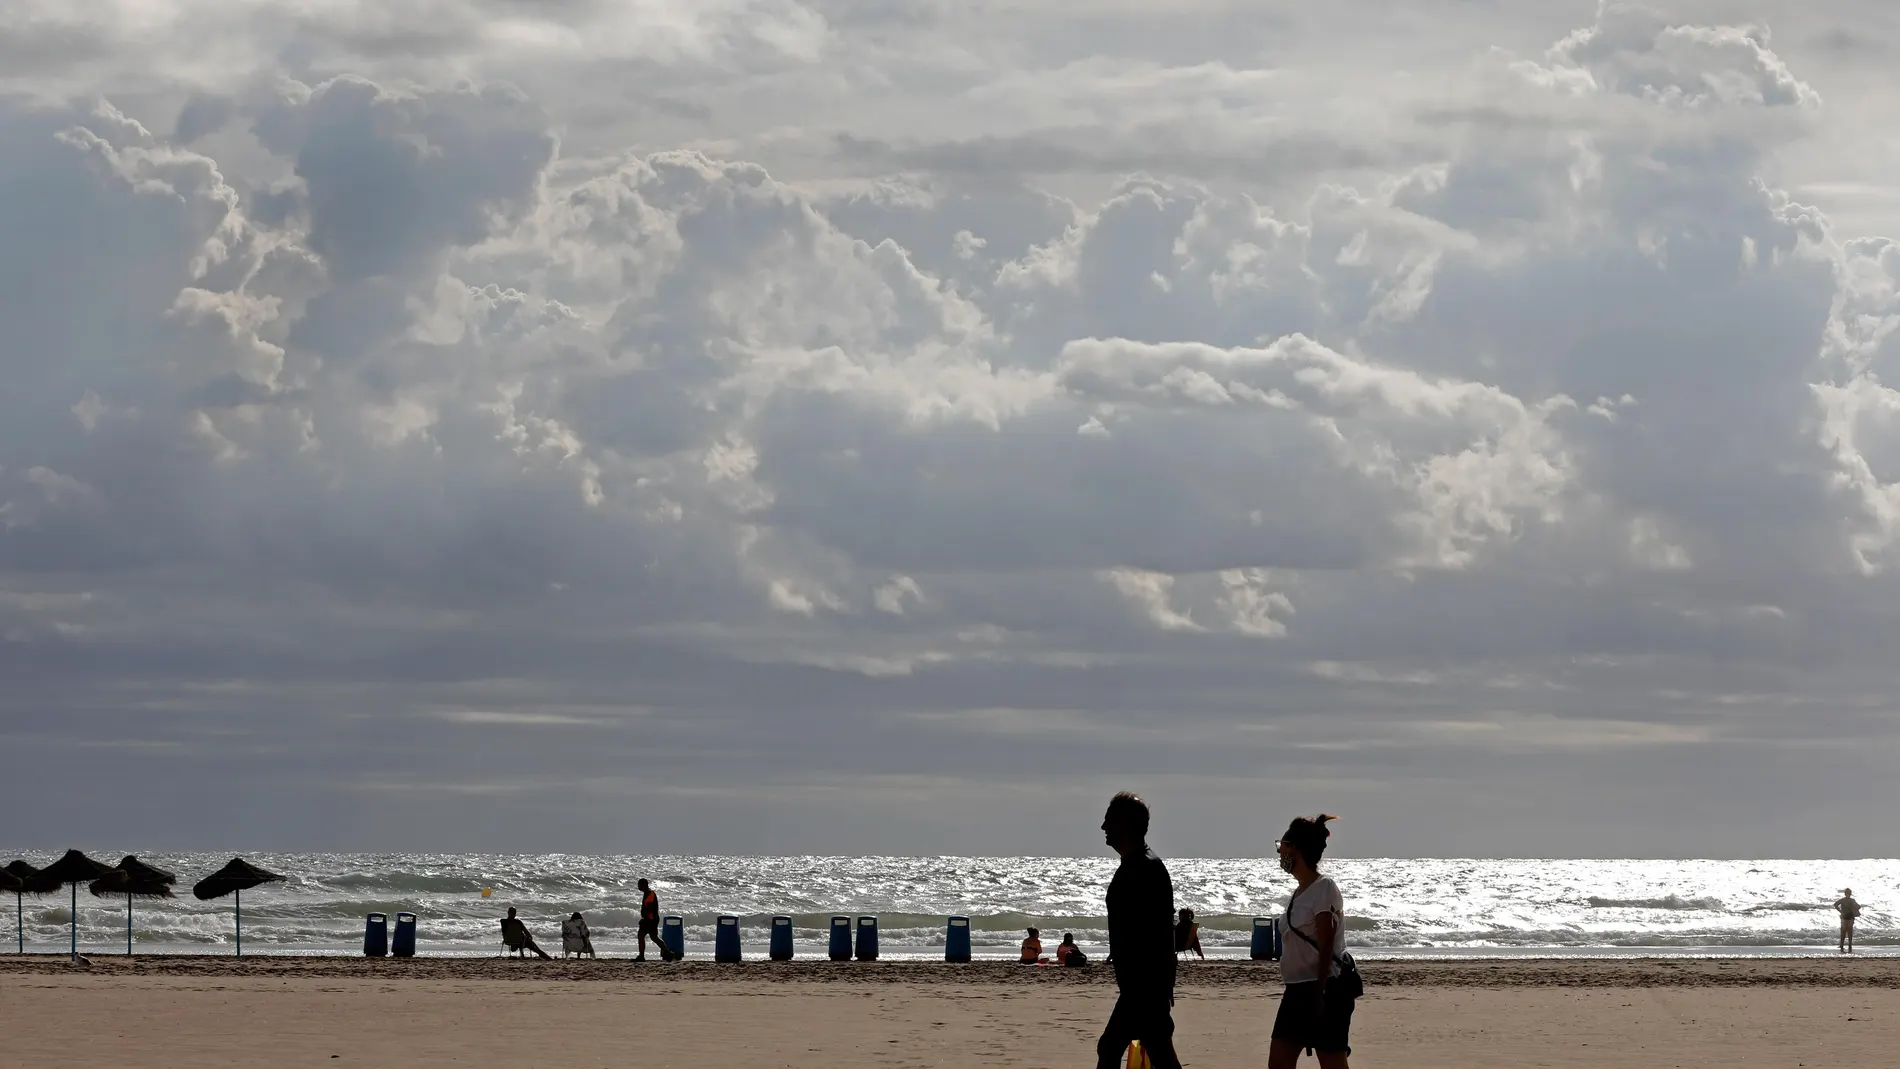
(1307, 1020)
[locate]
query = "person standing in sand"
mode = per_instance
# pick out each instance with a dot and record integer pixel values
(1315, 916)
(1140, 941)
(650, 923)
(1849, 910)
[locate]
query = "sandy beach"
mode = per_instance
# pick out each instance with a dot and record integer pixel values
(492, 1012)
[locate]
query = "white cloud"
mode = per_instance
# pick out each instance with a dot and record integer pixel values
(784, 367)
(892, 596)
(1150, 591)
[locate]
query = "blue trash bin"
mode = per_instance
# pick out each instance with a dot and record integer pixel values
(403, 943)
(673, 936)
(1266, 939)
(867, 938)
(841, 939)
(376, 936)
(781, 938)
(956, 940)
(726, 940)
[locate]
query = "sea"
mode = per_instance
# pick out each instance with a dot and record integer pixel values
(1395, 908)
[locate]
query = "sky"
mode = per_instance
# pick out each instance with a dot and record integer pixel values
(838, 426)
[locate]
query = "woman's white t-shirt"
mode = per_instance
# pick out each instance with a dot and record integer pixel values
(1299, 959)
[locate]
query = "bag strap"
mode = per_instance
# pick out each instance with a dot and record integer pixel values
(1310, 941)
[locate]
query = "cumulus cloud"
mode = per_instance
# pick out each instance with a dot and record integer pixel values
(382, 395)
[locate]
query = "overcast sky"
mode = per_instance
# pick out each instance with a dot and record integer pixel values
(840, 426)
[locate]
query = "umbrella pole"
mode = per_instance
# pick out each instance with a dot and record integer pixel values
(128, 924)
(75, 922)
(240, 922)
(19, 920)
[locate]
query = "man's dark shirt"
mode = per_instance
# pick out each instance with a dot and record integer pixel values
(1141, 925)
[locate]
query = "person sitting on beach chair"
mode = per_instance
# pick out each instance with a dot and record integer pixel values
(1187, 935)
(575, 938)
(514, 936)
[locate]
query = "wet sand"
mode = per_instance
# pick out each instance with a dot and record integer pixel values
(164, 1011)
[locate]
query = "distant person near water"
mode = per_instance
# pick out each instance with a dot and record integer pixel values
(575, 938)
(1849, 910)
(515, 936)
(1309, 1016)
(1070, 955)
(1140, 941)
(1032, 948)
(1187, 935)
(650, 923)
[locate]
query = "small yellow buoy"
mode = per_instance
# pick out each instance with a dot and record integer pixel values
(486, 891)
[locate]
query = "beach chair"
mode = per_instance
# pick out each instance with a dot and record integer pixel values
(574, 938)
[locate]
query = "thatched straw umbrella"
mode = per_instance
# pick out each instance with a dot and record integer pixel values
(134, 878)
(74, 869)
(233, 879)
(26, 881)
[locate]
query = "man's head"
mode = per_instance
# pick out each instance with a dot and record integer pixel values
(1035, 933)
(575, 917)
(643, 884)
(1125, 825)
(511, 913)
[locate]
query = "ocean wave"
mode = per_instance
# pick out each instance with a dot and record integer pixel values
(1665, 902)
(399, 883)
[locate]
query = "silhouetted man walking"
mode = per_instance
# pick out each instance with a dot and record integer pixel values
(650, 923)
(1140, 941)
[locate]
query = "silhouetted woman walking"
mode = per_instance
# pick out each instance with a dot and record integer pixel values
(1311, 1018)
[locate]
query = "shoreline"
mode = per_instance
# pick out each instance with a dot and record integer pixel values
(1841, 971)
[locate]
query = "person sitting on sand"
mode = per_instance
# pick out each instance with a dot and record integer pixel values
(1187, 935)
(514, 936)
(1849, 909)
(575, 938)
(1032, 948)
(1070, 955)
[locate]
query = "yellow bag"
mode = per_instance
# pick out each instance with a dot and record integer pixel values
(1138, 1058)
